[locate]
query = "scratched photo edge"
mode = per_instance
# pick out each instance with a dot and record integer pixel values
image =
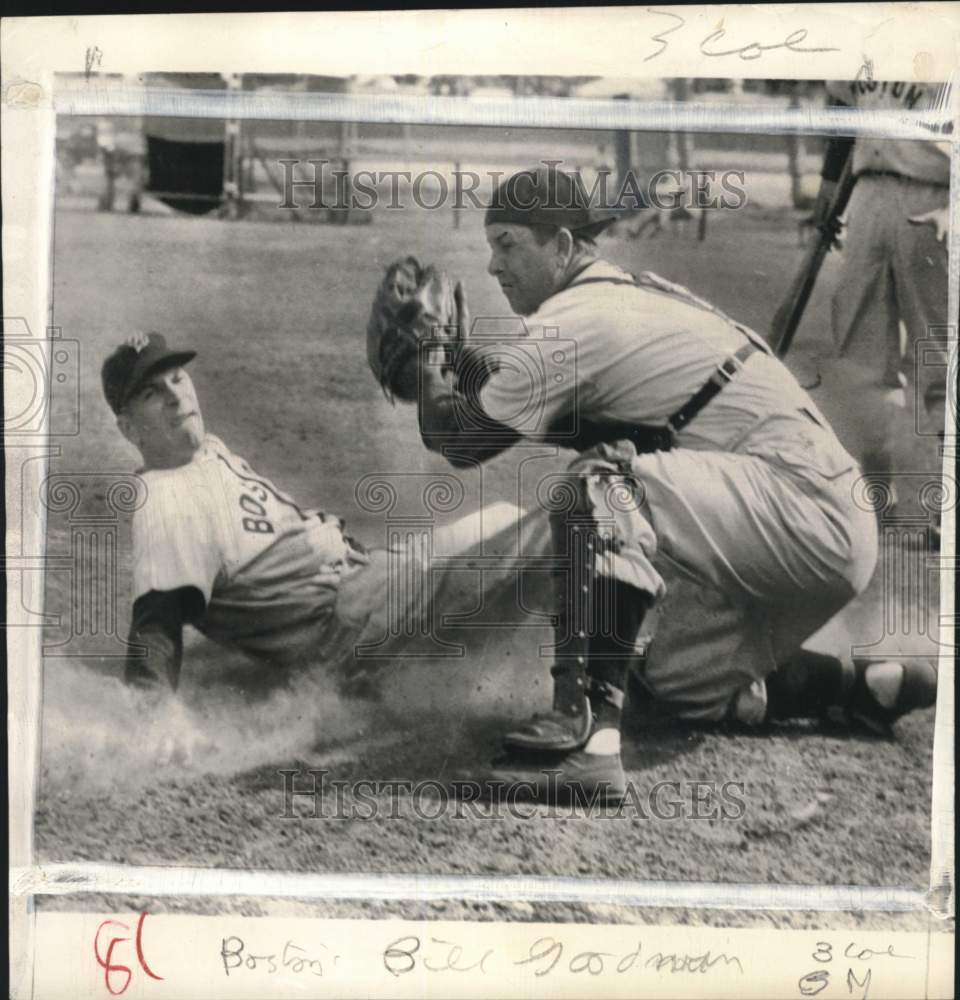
(20, 643)
(90, 59)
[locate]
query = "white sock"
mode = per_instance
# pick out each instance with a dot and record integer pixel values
(604, 741)
(884, 681)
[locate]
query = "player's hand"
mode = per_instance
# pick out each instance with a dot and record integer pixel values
(895, 399)
(832, 228)
(895, 396)
(354, 555)
(836, 233)
(463, 311)
(821, 207)
(938, 218)
(821, 219)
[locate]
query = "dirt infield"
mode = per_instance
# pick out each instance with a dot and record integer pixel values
(277, 313)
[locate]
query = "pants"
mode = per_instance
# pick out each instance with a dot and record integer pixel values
(750, 554)
(892, 296)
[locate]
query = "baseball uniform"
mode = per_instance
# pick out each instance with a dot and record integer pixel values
(894, 278)
(746, 530)
(267, 569)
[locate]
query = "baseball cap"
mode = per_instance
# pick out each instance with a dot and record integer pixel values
(546, 196)
(133, 362)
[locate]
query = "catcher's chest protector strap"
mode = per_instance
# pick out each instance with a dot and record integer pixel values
(724, 373)
(655, 437)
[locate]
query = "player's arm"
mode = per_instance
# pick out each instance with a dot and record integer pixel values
(156, 630)
(176, 559)
(451, 417)
(938, 217)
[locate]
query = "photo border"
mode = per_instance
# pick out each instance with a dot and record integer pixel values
(31, 103)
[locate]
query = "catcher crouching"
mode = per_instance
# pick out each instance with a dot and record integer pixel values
(707, 482)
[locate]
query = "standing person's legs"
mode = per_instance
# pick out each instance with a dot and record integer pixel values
(920, 269)
(865, 318)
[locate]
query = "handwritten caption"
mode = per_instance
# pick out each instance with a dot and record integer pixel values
(841, 967)
(117, 975)
(717, 44)
(411, 953)
(852, 975)
(291, 957)
(548, 956)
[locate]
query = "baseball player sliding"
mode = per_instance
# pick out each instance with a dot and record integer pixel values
(706, 481)
(218, 546)
(895, 266)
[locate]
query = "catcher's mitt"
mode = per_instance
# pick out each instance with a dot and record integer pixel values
(413, 303)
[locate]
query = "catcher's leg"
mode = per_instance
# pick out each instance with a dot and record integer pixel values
(572, 754)
(604, 586)
(598, 615)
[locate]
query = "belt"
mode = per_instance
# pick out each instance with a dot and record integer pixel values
(885, 173)
(900, 177)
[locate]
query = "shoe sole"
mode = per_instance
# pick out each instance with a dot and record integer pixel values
(545, 786)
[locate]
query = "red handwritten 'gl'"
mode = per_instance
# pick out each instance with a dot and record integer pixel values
(113, 970)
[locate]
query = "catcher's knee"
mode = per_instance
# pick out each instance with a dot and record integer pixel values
(596, 503)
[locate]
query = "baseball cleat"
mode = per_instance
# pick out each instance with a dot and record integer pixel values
(553, 732)
(878, 697)
(576, 778)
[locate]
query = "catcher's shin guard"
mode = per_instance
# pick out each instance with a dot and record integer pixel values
(612, 648)
(567, 726)
(597, 627)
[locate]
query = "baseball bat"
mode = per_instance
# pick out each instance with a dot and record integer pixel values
(787, 318)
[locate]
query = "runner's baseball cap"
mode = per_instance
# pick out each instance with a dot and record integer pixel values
(546, 196)
(133, 362)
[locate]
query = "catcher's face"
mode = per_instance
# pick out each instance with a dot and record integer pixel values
(163, 420)
(528, 271)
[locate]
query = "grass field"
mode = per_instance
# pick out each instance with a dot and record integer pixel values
(278, 313)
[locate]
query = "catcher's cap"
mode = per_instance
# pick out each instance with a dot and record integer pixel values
(546, 196)
(133, 362)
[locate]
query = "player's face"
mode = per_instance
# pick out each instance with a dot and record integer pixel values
(164, 421)
(528, 271)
